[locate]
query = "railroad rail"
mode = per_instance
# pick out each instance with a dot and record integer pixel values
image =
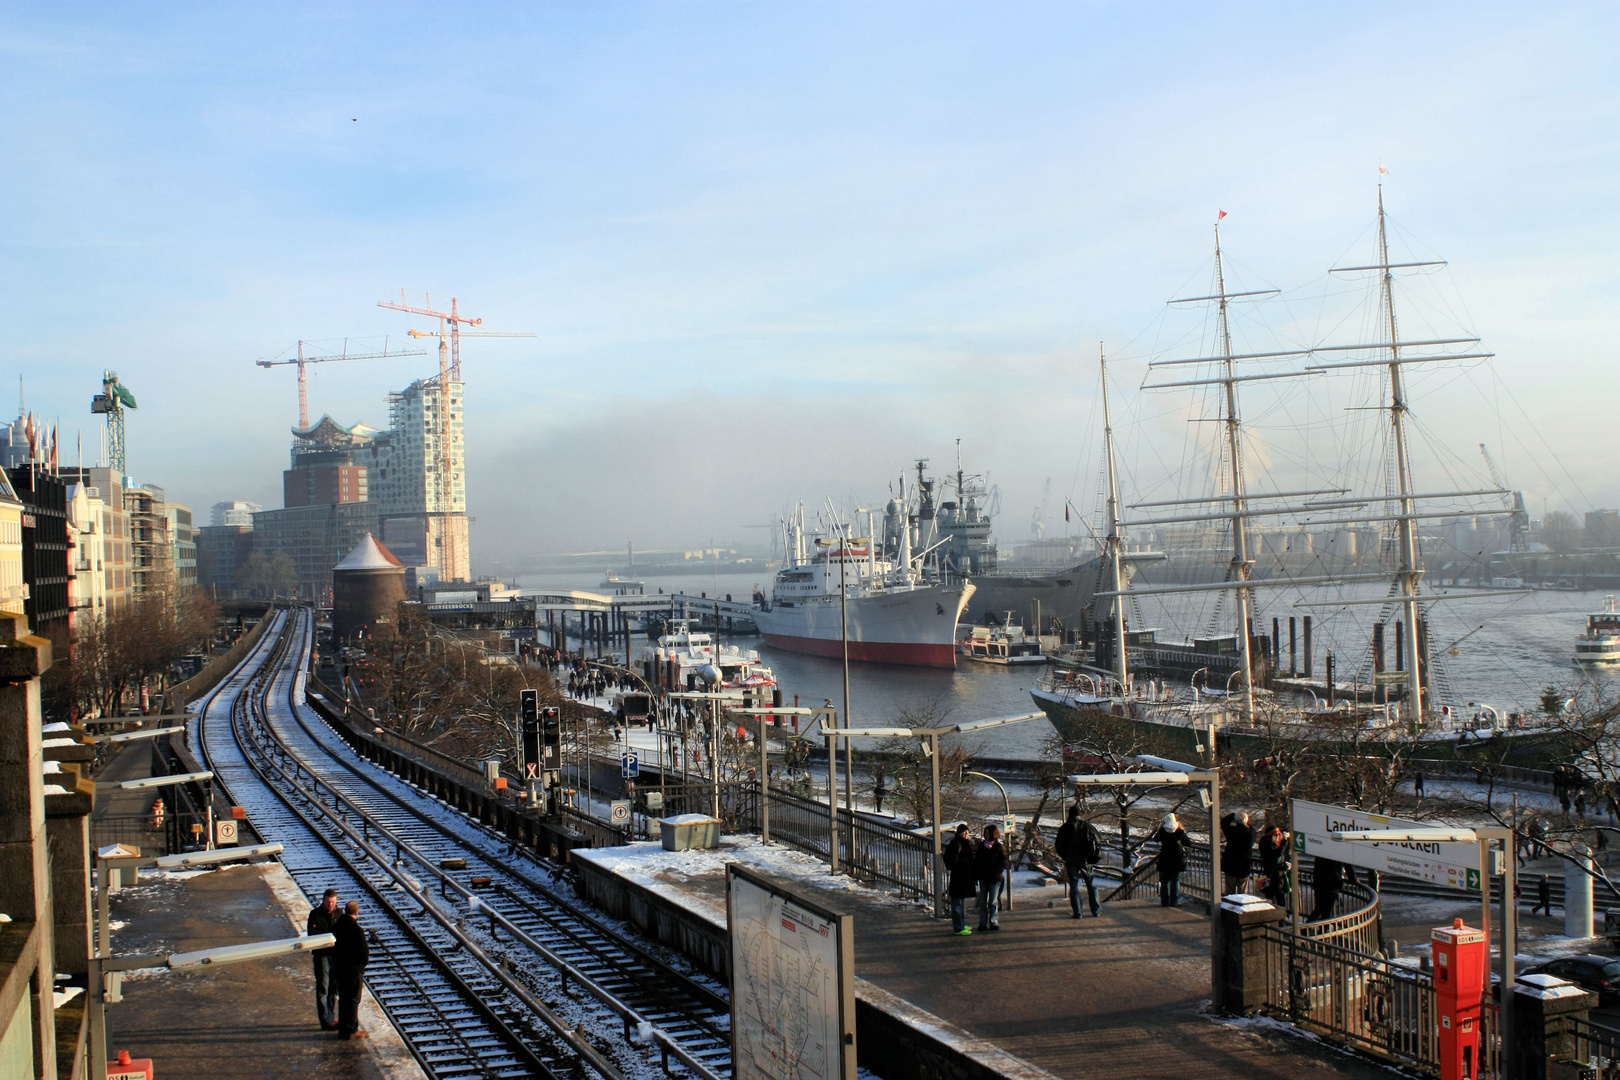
(486, 968)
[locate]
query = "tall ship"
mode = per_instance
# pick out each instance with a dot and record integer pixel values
(884, 605)
(1246, 692)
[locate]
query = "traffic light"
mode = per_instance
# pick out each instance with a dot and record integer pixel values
(529, 726)
(551, 737)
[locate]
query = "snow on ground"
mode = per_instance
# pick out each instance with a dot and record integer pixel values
(695, 879)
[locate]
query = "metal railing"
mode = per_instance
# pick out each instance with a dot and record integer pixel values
(867, 848)
(1593, 1047)
(1142, 880)
(1364, 1001)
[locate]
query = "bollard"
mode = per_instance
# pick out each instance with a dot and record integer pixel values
(1545, 1009)
(1578, 894)
(1238, 952)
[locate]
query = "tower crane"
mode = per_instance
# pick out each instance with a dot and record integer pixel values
(111, 402)
(301, 359)
(449, 333)
(1519, 515)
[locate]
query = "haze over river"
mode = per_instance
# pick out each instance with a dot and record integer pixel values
(1525, 644)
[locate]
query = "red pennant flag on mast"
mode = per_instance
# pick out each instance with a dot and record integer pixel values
(1222, 214)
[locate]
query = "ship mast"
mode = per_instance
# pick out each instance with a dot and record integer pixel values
(1116, 542)
(1411, 569)
(1240, 533)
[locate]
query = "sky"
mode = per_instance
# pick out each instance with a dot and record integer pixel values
(775, 252)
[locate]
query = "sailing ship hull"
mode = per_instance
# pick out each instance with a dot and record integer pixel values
(1122, 725)
(914, 627)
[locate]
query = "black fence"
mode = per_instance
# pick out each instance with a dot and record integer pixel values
(1594, 1048)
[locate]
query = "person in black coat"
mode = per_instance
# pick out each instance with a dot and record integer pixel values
(990, 863)
(1274, 864)
(1172, 859)
(321, 921)
(351, 954)
(1327, 878)
(1237, 857)
(1078, 845)
(964, 879)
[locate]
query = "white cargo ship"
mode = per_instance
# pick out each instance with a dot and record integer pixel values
(893, 614)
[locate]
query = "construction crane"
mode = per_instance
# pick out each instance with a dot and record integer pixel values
(301, 359)
(449, 333)
(111, 403)
(1519, 516)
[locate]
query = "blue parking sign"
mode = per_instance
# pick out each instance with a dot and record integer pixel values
(629, 764)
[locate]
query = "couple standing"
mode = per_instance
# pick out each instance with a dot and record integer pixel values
(976, 867)
(339, 970)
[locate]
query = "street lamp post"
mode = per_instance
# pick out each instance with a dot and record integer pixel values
(844, 543)
(932, 735)
(760, 713)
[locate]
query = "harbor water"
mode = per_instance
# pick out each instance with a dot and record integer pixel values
(1516, 645)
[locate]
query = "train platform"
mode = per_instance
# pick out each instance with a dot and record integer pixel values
(254, 1019)
(1125, 995)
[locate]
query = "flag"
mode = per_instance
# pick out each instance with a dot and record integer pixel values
(1383, 170)
(1222, 214)
(1065, 510)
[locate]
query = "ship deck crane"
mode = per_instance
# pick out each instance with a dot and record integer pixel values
(449, 333)
(301, 360)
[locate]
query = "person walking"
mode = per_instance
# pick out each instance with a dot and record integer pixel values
(322, 918)
(1237, 858)
(352, 956)
(1274, 865)
(1543, 896)
(989, 864)
(1417, 784)
(964, 879)
(1172, 859)
(1327, 878)
(1079, 846)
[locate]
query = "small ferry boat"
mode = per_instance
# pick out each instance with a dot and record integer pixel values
(684, 653)
(1601, 645)
(1006, 644)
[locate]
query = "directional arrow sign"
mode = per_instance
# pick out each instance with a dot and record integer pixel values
(1453, 865)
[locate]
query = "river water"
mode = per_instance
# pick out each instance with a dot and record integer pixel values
(1522, 644)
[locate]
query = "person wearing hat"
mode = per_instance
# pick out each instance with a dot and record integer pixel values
(1172, 859)
(321, 921)
(964, 879)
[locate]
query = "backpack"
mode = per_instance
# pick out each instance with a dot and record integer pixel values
(1090, 844)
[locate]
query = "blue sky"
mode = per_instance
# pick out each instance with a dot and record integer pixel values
(771, 251)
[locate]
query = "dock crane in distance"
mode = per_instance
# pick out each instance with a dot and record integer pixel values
(301, 360)
(1519, 516)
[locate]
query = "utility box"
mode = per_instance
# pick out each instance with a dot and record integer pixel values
(685, 832)
(1461, 961)
(128, 1068)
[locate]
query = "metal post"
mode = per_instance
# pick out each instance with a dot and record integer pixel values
(843, 633)
(939, 860)
(1215, 882)
(764, 787)
(831, 735)
(714, 751)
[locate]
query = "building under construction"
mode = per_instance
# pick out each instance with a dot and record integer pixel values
(345, 482)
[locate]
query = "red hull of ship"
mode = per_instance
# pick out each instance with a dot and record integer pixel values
(874, 652)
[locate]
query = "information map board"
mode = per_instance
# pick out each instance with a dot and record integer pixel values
(792, 982)
(1455, 866)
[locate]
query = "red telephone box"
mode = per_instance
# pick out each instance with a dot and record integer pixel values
(1461, 961)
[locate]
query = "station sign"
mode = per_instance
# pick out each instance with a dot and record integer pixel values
(1455, 866)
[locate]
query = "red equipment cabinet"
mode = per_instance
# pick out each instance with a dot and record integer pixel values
(1461, 963)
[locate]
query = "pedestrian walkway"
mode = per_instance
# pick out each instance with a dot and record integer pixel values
(248, 1020)
(1122, 996)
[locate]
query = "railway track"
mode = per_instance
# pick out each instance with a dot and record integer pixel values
(487, 969)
